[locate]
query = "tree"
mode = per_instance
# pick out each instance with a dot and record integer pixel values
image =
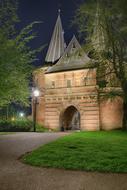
(16, 57)
(104, 24)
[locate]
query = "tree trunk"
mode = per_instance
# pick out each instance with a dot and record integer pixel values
(124, 87)
(125, 115)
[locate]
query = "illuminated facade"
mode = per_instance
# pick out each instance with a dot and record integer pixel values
(70, 97)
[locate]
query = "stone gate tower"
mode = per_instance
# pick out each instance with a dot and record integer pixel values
(70, 97)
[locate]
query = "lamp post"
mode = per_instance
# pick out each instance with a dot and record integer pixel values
(36, 94)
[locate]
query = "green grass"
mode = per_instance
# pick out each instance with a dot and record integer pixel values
(40, 128)
(6, 133)
(89, 151)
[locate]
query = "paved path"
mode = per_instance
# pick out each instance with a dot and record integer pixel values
(15, 175)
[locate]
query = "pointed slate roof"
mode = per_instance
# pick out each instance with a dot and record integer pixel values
(98, 39)
(73, 58)
(57, 44)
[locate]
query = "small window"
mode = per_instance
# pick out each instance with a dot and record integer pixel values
(68, 83)
(53, 84)
(87, 81)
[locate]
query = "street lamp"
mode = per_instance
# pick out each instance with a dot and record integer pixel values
(21, 114)
(36, 94)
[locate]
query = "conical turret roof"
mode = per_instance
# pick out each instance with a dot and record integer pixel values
(57, 44)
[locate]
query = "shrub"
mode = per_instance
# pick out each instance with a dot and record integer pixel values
(40, 128)
(19, 126)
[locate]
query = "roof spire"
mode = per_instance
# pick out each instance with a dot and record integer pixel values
(59, 11)
(57, 44)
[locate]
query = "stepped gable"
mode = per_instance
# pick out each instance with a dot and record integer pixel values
(57, 44)
(73, 58)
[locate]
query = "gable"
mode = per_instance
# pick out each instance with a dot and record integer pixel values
(74, 57)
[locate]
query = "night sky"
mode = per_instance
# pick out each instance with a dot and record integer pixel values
(47, 12)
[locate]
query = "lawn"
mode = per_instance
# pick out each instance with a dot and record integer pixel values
(88, 151)
(6, 133)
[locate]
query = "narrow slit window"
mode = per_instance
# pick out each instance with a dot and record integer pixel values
(68, 83)
(53, 84)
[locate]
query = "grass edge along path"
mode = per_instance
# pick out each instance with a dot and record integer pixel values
(7, 133)
(88, 151)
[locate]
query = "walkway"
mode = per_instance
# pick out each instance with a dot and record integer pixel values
(15, 175)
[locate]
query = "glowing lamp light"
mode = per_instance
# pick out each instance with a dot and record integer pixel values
(21, 114)
(36, 93)
(13, 119)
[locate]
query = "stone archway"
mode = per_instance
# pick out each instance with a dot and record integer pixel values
(70, 119)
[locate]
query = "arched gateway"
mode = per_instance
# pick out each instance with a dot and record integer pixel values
(70, 119)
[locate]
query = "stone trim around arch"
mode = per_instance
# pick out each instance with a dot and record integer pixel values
(64, 106)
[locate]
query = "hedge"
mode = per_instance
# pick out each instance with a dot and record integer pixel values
(19, 126)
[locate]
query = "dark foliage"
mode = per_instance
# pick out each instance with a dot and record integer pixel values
(19, 126)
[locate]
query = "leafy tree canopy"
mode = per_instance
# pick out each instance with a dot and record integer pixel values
(104, 22)
(16, 57)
